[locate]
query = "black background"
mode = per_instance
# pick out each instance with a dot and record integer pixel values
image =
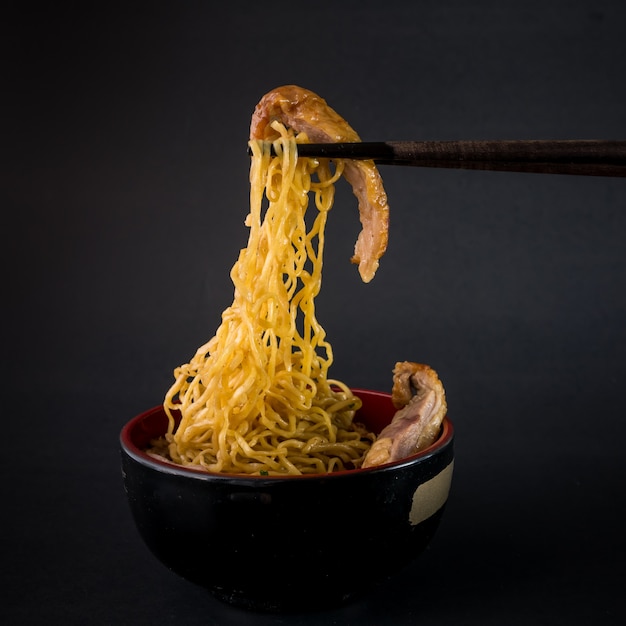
(124, 190)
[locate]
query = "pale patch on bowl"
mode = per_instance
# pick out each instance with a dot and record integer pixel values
(430, 496)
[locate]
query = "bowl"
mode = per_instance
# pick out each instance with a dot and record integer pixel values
(287, 543)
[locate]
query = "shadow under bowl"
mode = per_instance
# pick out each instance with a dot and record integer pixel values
(287, 543)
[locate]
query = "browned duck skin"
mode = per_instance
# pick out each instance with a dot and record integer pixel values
(305, 111)
(419, 396)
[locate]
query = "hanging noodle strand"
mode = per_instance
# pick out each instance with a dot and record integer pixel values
(256, 398)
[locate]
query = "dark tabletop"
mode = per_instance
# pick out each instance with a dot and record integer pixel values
(124, 190)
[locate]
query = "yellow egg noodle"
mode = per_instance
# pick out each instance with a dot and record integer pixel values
(256, 398)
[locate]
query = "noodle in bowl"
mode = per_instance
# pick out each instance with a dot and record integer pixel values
(292, 542)
(260, 477)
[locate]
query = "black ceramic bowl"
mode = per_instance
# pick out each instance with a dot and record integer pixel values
(292, 543)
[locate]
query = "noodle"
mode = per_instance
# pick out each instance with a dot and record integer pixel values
(256, 398)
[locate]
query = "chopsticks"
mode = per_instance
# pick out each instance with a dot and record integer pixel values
(582, 157)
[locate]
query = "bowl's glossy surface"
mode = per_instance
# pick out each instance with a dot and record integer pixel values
(287, 543)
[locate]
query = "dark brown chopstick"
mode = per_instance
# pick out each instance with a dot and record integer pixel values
(583, 157)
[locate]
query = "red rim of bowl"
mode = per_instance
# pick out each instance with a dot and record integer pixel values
(163, 465)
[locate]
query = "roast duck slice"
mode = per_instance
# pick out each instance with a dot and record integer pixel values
(306, 112)
(420, 399)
